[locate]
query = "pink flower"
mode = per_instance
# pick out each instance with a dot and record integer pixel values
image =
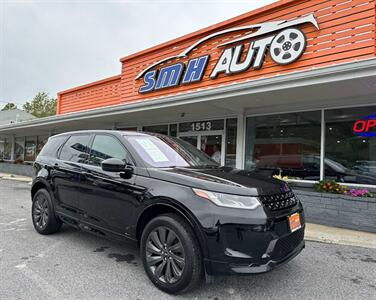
(358, 192)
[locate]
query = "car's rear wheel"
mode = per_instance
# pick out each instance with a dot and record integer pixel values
(171, 255)
(43, 214)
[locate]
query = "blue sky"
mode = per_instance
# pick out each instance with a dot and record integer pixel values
(54, 45)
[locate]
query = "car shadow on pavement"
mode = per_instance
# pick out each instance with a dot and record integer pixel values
(125, 251)
(128, 253)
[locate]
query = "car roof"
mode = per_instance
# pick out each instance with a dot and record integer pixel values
(122, 132)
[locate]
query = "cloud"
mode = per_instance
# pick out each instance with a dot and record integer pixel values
(54, 45)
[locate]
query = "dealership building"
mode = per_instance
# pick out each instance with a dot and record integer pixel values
(289, 88)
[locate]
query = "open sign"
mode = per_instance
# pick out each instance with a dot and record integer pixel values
(365, 127)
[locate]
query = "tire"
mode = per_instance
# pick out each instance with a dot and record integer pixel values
(43, 214)
(185, 258)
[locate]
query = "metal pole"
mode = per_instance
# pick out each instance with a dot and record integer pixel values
(240, 141)
(322, 145)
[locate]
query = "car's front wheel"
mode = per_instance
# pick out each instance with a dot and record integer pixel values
(43, 214)
(171, 255)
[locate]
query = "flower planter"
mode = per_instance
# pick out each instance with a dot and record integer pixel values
(337, 210)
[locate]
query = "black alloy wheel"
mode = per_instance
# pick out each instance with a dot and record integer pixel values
(43, 215)
(165, 254)
(40, 211)
(171, 254)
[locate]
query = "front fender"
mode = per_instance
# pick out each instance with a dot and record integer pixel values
(165, 205)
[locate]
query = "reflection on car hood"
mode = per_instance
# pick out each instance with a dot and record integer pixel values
(224, 180)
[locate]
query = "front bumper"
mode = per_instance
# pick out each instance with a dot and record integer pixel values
(253, 249)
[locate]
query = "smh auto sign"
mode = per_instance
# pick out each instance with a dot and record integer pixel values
(285, 43)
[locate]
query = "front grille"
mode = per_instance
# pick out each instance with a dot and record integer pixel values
(279, 201)
(287, 244)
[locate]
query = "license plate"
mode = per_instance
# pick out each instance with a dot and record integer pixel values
(294, 222)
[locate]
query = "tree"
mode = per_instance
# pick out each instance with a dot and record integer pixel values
(9, 106)
(41, 106)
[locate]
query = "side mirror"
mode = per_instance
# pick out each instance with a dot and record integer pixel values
(127, 172)
(113, 165)
(117, 166)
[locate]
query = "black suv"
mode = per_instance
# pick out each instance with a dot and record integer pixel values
(190, 217)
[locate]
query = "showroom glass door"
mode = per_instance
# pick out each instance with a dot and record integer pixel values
(211, 143)
(190, 139)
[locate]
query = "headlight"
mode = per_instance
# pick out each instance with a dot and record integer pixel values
(228, 200)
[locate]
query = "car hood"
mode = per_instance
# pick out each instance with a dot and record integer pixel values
(224, 180)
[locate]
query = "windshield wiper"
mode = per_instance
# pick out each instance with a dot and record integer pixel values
(207, 166)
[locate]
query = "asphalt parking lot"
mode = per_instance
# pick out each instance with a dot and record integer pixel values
(77, 265)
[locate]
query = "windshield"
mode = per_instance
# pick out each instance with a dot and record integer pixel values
(162, 151)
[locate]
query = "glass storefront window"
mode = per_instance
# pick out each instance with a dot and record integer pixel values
(127, 128)
(19, 149)
(286, 144)
(173, 130)
(5, 148)
(230, 158)
(162, 129)
(2, 146)
(30, 148)
(41, 141)
(349, 156)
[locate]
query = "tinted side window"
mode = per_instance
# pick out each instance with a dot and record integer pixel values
(105, 147)
(52, 146)
(75, 149)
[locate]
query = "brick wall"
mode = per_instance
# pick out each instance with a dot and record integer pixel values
(343, 211)
(17, 169)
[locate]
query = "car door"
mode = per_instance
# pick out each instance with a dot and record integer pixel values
(67, 175)
(108, 201)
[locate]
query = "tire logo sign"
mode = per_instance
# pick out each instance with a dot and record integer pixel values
(287, 46)
(285, 43)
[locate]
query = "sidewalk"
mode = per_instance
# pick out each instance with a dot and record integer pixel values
(334, 235)
(313, 232)
(15, 177)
